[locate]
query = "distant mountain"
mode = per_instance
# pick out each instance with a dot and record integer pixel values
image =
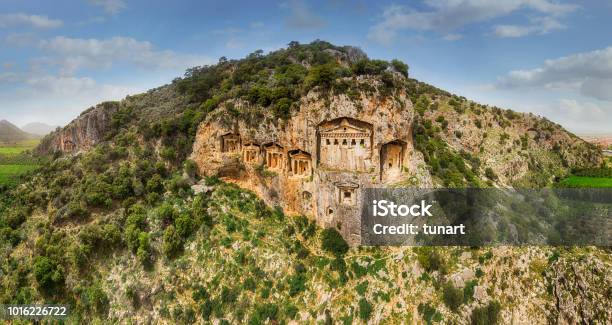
(9, 133)
(40, 129)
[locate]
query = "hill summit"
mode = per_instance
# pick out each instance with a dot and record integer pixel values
(10, 133)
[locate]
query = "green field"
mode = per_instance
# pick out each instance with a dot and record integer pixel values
(14, 161)
(9, 173)
(17, 148)
(583, 181)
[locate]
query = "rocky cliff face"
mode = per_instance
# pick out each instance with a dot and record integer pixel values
(317, 162)
(82, 133)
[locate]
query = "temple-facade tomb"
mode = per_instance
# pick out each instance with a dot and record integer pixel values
(230, 143)
(300, 163)
(250, 153)
(275, 157)
(345, 144)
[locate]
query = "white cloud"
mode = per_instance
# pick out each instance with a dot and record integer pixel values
(56, 99)
(512, 30)
(302, 17)
(21, 19)
(589, 73)
(74, 53)
(110, 6)
(448, 15)
(540, 25)
(581, 116)
(452, 37)
(53, 89)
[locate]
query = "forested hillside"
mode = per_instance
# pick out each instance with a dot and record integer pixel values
(111, 223)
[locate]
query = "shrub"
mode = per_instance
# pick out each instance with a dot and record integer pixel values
(369, 67)
(166, 213)
(172, 243)
(453, 297)
(144, 248)
(282, 108)
(332, 241)
(430, 260)
(190, 168)
(228, 295)
(488, 315)
(490, 174)
(98, 237)
(155, 184)
(297, 284)
(291, 311)
(185, 225)
(400, 67)
(48, 273)
(468, 290)
(429, 313)
(365, 309)
(322, 75)
(76, 210)
(263, 313)
(95, 299)
(168, 153)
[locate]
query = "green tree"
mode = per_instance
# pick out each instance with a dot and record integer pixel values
(144, 248)
(172, 242)
(400, 67)
(48, 273)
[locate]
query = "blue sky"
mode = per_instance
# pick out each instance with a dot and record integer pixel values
(553, 58)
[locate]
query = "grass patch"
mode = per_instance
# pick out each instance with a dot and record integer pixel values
(17, 148)
(584, 181)
(15, 161)
(10, 173)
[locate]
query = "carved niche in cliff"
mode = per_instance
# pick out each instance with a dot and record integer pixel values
(275, 156)
(306, 201)
(230, 143)
(69, 146)
(347, 193)
(392, 159)
(345, 143)
(299, 163)
(250, 153)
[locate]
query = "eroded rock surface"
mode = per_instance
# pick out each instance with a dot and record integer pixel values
(82, 133)
(319, 160)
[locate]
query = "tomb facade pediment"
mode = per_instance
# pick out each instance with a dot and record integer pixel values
(346, 184)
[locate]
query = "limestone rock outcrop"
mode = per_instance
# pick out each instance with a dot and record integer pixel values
(319, 160)
(82, 133)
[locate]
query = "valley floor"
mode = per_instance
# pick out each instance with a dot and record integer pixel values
(14, 160)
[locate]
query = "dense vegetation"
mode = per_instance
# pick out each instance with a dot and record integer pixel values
(274, 83)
